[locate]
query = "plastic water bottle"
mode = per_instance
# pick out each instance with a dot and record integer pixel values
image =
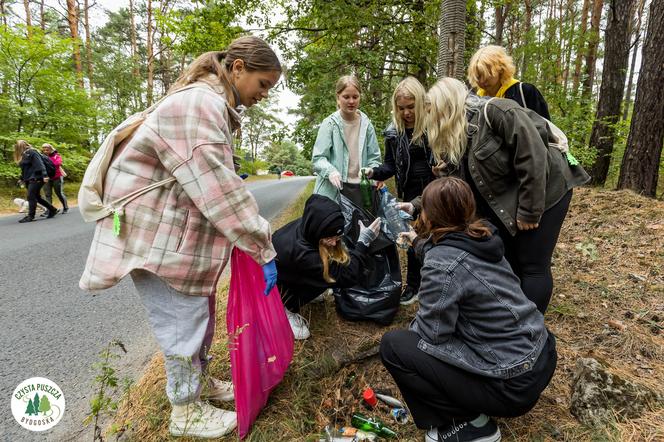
(395, 223)
(373, 425)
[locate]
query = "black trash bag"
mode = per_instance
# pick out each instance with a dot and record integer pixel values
(376, 297)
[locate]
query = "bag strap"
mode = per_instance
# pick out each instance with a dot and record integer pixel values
(523, 97)
(486, 117)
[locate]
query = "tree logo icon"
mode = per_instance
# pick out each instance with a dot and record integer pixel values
(38, 404)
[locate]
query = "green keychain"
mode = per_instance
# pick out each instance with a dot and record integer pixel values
(570, 159)
(116, 221)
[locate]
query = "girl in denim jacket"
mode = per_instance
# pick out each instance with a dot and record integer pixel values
(477, 345)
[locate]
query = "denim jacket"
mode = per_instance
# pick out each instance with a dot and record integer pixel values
(472, 313)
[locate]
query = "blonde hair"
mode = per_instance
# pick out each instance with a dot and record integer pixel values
(345, 81)
(256, 54)
(19, 149)
(490, 61)
(49, 145)
(409, 87)
(337, 253)
(446, 121)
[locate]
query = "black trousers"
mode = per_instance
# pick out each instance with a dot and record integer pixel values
(439, 394)
(529, 252)
(295, 296)
(34, 197)
(414, 188)
(56, 185)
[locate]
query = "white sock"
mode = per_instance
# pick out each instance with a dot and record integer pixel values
(480, 421)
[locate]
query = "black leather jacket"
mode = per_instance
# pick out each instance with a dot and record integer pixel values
(397, 159)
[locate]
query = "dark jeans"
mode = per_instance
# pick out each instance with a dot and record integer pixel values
(529, 252)
(294, 297)
(34, 197)
(439, 394)
(414, 188)
(57, 186)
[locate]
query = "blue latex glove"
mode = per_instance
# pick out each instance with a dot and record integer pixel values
(270, 275)
(244, 176)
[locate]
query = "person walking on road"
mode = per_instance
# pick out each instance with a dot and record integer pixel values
(33, 175)
(57, 181)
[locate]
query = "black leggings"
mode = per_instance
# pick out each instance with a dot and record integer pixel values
(529, 252)
(56, 185)
(34, 197)
(414, 188)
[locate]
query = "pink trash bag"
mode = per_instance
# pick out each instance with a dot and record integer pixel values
(260, 339)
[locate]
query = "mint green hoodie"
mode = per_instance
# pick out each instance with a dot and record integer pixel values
(330, 152)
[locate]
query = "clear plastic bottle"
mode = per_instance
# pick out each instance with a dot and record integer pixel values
(395, 222)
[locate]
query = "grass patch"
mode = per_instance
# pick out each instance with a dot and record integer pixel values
(319, 391)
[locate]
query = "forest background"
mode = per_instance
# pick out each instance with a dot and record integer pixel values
(67, 80)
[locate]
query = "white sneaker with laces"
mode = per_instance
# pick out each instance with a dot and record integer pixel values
(217, 390)
(200, 419)
(298, 324)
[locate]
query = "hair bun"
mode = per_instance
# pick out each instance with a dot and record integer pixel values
(222, 54)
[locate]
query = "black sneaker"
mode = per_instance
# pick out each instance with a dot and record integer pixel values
(26, 219)
(44, 214)
(408, 296)
(65, 210)
(53, 213)
(465, 432)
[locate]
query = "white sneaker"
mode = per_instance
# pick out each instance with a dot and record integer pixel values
(298, 324)
(200, 419)
(217, 390)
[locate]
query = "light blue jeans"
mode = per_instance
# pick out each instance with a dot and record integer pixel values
(183, 326)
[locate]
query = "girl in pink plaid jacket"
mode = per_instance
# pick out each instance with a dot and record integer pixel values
(176, 239)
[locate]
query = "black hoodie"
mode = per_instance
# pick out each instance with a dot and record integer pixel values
(298, 260)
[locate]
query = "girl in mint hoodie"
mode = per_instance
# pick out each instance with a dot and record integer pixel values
(346, 143)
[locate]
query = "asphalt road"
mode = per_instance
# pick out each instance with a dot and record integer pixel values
(50, 328)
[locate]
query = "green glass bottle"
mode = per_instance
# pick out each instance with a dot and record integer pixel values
(365, 190)
(373, 425)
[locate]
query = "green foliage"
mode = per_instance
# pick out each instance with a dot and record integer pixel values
(109, 387)
(286, 156)
(380, 42)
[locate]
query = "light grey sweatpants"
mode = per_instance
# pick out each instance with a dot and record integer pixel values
(183, 326)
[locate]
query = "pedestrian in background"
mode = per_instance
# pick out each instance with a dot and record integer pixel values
(33, 175)
(57, 181)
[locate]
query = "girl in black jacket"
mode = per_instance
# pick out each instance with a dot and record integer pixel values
(311, 257)
(33, 174)
(408, 158)
(491, 73)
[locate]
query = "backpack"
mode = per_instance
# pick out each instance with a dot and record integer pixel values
(90, 195)
(48, 164)
(557, 138)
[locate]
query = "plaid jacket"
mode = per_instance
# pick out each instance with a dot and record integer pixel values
(184, 231)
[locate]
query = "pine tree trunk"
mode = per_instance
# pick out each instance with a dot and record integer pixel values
(593, 42)
(452, 39)
(134, 46)
(2, 11)
(150, 53)
(42, 18)
(637, 40)
(28, 18)
(526, 31)
(72, 18)
(640, 167)
(616, 58)
(88, 46)
(501, 14)
(580, 46)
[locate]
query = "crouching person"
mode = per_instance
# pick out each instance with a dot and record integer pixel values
(477, 345)
(312, 257)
